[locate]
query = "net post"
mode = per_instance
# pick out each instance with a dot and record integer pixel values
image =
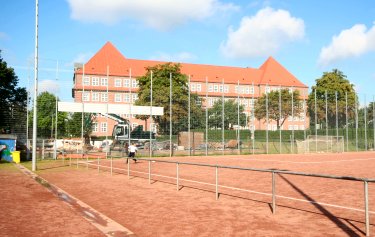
(216, 183)
(177, 176)
(273, 193)
(367, 214)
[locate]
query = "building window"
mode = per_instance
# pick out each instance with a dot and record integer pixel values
(118, 82)
(295, 127)
(95, 81)
(290, 127)
(95, 96)
(301, 127)
(246, 90)
(192, 87)
(126, 82)
(245, 103)
(302, 117)
(86, 81)
(104, 97)
(86, 96)
(251, 90)
(134, 97)
(134, 83)
(126, 98)
(267, 89)
(226, 89)
(210, 88)
(117, 97)
(103, 127)
(199, 87)
(251, 104)
(104, 81)
(94, 127)
(216, 88)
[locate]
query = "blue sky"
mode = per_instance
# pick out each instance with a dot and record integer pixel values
(306, 37)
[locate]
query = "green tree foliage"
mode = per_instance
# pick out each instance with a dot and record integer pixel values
(330, 83)
(13, 99)
(75, 125)
(46, 107)
(274, 104)
(230, 114)
(161, 93)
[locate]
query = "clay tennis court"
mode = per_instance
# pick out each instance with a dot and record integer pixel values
(305, 206)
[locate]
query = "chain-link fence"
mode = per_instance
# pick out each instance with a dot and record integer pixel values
(201, 117)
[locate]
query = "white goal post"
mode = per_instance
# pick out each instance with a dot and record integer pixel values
(321, 144)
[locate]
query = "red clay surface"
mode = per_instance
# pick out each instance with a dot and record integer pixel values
(29, 209)
(158, 209)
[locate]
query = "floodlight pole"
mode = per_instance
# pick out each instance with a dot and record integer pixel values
(238, 116)
(365, 119)
(207, 116)
(316, 128)
(151, 114)
(170, 115)
(55, 145)
(189, 110)
(222, 116)
(35, 87)
(346, 121)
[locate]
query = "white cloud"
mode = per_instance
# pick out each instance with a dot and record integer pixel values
(263, 34)
(51, 86)
(160, 14)
(349, 43)
(178, 57)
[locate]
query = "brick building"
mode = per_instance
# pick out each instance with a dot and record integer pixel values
(109, 77)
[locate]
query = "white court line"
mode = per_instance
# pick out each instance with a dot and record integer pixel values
(246, 190)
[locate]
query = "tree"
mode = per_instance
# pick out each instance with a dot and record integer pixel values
(274, 104)
(13, 99)
(230, 114)
(331, 83)
(161, 94)
(46, 107)
(75, 125)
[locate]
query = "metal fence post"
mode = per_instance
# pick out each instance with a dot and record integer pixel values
(273, 193)
(43, 149)
(177, 176)
(98, 164)
(216, 183)
(149, 172)
(367, 216)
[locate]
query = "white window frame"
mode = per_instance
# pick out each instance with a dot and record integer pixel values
(267, 89)
(95, 127)
(216, 88)
(199, 87)
(226, 89)
(104, 81)
(95, 81)
(118, 97)
(118, 82)
(126, 98)
(210, 88)
(134, 83)
(86, 81)
(126, 82)
(104, 97)
(134, 97)
(192, 87)
(95, 96)
(103, 127)
(251, 90)
(85, 96)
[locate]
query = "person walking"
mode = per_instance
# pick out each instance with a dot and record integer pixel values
(132, 151)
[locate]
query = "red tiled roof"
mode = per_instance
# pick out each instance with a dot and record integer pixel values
(275, 74)
(271, 72)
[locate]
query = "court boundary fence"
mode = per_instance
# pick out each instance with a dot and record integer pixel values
(273, 172)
